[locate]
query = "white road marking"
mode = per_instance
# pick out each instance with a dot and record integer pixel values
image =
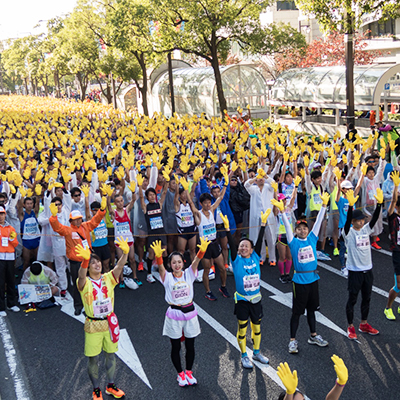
(375, 289)
(126, 352)
(387, 253)
(19, 385)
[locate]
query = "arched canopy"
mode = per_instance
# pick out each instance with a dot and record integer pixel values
(325, 87)
(195, 90)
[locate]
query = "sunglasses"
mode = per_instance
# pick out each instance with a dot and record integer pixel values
(58, 204)
(77, 195)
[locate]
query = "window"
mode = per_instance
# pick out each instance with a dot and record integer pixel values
(285, 5)
(381, 28)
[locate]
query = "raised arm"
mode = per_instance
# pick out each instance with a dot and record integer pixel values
(219, 199)
(396, 181)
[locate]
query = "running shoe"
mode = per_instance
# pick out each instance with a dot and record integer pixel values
(190, 378)
(63, 293)
(318, 341)
(226, 266)
(283, 279)
(272, 264)
(260, 358)
(377, 239)
(131, 284)
(97, 394)
(367, 328)
(127, 270)
(376, 246)
(323, 256)
(122, 285)
(344, 271)
(182, 379)
(246, 363)
(229, 270)
(212, 269)
(210, 296)
(114, 391)
(288, 278)
(389, 314)
(224, 291)
(293, 347)
(13, 308)
(261, 262)
(137, 281)
(351, 333)
(150, 278)
(335, 251)
(140, 266)
(3, 314)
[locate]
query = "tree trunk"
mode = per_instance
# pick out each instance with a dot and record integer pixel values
(217, 76)
(46, 87)
(26, 85)
(82, 85)
(143, 89)
(57, 83)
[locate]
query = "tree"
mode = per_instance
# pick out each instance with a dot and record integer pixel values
(207, 28)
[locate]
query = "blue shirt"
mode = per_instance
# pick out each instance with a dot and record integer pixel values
(247, 274)
(100, 235)
(343, 206)
(304, 252)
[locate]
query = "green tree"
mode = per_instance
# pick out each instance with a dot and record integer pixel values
(207, 28)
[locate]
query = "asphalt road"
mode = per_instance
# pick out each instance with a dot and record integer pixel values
(48, 346)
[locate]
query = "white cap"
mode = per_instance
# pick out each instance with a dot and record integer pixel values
(346, 185)
(75, 215)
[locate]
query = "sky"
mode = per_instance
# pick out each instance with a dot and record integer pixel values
(19, 17)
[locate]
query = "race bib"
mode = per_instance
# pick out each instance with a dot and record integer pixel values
(317, 199)
(156, 223)
(306, 255)
(101, 308)
(187, 219)
(101, 232)
(251, 282)
(181, 293)
(85, 244)
(4, 242)
(122, 228)
(209, 232)
(362, 241)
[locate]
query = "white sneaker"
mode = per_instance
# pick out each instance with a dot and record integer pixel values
(211, 276)
(13, 308)
(3, 314)
(127, 270)
(182, 380)
(345, 271)
(190, 378)
(131, 284)
(150, 278)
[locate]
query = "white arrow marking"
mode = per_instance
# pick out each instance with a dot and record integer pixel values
(286, 300)
(375, 289)
(229, 337)
(126, 352)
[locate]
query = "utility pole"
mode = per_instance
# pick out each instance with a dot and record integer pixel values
(171, 83)
(349, 36)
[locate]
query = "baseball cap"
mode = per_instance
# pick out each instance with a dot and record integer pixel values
(301, 221)
(281, 196)
(358, 214)
(75, 215)
(346, 185)
(2, 209)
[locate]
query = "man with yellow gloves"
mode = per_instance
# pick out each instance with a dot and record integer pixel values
(77, 233)
(101, 324)
(246, 270)
(290, 381)
(305, 278)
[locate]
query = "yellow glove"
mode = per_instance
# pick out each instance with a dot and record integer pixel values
(85, 253)
(12, 235)
(23, 191)
(338, 173)
(158, 250)
(260, 173)
(395, 178)
(392, 145)
(350, 197)
(286, 157)
(53, 209)
(139, 179)
(166, 174)
(39, 175)
(203, 244)
(225, 221)
(325, 198)
(132, 186)
(265, 215)
(288, 378)
(297, 181)
(379, 196)
(278, 204)
(356, 159)
(38, 190)
(12, 188)
(382, 153)
(58, 185)
(344, 158)
(364, 167)
(340, 369)
(234, 166)
(123, 244)
(184, 183)
(275, 186)
(103, 203)
(85, 189)
(306, 161)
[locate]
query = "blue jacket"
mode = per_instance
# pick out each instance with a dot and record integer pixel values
(224, 205)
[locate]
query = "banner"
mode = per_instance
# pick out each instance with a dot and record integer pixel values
(33, 293)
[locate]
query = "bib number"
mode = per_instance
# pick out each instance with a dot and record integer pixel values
(85, 244)
(4, 242)
(156, 223)
(251, 282)
(362, 242)
(317, 199)
(101, 308)
(181, 293)
(306, 255)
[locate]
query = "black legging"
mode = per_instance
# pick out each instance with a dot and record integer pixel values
(294, 323)
(176, 357)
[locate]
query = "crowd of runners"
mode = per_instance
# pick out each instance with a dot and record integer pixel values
(107, 198)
